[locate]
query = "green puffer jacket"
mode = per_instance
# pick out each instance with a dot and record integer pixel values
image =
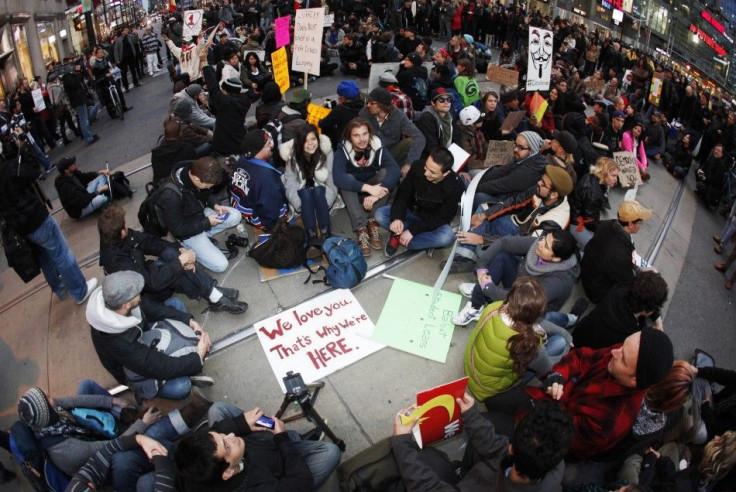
(487, 361)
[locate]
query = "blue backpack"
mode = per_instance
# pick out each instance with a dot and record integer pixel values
(99, 421)
(346, 264)
(35, 465)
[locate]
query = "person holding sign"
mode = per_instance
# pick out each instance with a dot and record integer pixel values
(365, 172)
(610, 256)
(633, 141)
(425, 204)
(531, 460)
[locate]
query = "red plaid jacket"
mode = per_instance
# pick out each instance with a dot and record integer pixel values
(603, 411)
(402, 101)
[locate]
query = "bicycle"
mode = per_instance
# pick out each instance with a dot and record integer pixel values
(114, 94)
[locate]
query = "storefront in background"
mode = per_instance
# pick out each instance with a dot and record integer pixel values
(47, 38)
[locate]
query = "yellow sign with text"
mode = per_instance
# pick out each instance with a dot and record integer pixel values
(316, 113)
(281, 69)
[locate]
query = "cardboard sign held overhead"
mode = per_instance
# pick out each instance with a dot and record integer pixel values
(512, 120)
(280, 66)
(308, 40)
(628, 175)
(503, 76)
(540, 59)
(192, 24)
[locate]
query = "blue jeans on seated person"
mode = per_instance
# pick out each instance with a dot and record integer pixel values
(321, 457)
(560, 319)
(209, 255)
(99, 200)
(555, 345)
(500, 226)
(438, 238)
(58, 264)
(503, 269)
(315, 210)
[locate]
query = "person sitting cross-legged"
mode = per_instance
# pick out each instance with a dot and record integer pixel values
(81, 193)
(425, 204)
(236, 454)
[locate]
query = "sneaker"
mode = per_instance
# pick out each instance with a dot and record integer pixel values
(466, 289)
(375, 234)
(364, 241)
(717, 239)
(721, 267)
(201, 381)
(229, 305)
(229, 293)
(467, 315)
(91, 285)
(392, 246)
(580, 306)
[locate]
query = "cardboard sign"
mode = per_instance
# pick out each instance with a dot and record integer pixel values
(628, 175)
(192, 23)
(280, 66)
(308, 40)
(503, 76)
(500, 152)
(655, 89)
(438, 412)
(595, 85)
(377, 69)
(412, 322)
(318, 337)
(329, 20)
(315, 113)
(512, 120)
(539, 60)
(282, 31)
(38, 101)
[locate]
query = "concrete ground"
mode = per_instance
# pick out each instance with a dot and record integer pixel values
(47, 343)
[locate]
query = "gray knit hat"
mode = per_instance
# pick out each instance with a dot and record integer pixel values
(183, 110)
(194, 90)
(533, 139)
(233, 85)
(120, 287)
(35, 410)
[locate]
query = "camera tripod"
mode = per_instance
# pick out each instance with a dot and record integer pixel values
(306, 399)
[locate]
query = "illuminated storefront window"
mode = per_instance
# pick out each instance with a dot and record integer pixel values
(47, 37)
(21, 51)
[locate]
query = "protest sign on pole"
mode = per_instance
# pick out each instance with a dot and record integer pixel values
(192, 23)
(317, 337)
(540, 60)
(503, 76)
(315, 112)
(282, 31)
(280, 67)
(329, 19)
(308, 40)
(655, 89)
(628, 174)
(499, 153)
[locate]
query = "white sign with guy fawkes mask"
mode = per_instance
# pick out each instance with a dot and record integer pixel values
(539, 69)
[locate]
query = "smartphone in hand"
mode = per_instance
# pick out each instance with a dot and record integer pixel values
(266, 422)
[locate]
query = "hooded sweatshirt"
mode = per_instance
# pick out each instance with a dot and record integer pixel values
(115, 338)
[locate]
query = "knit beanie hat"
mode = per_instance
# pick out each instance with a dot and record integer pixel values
(656, 357)
(348, 89)
(533, 139)
(183, 110)
(35, 410)
(233, 85)
(381, 96)
(566, 140)
(271, 92)
(194, 90)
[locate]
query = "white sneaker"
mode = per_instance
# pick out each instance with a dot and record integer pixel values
(466, 289)
(91, 285)
(468, 314)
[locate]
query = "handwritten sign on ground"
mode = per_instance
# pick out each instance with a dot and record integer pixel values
(499, 153)
(317, 337)
(282, 31)
(628, 175)
(512, 120)
(308, 40)
(315, 113)
(503, 76)
(411, 322)
(280, 69)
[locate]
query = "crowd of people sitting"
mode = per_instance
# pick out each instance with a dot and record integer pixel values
(572, 400)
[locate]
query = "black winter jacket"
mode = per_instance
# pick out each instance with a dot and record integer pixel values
(231, 110)
(73, 191)
(587, 202)
(513, 178)
(607, 260)
(183, 213)
(20, 196)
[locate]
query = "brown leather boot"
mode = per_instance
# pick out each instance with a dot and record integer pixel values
(196, 409)
(364, 241)
(375, 235)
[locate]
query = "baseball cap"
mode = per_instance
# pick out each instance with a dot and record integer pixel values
(631, 210)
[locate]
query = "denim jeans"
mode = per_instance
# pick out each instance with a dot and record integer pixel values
(728, 230)
(555, 345)
(209, 255)
(354, 203)
(560, 319)
(175, 389)
(321, 457)
(503, 269)
(314, 209)
(45, 162)
(85, 116)
(501, 226)
(176, 304)
(58, 264)
(99, 200)
(438, 238)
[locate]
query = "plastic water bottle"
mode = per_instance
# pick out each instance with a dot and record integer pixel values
(241, 229)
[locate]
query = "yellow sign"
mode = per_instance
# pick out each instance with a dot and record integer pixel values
(316, 113)
(281, 69)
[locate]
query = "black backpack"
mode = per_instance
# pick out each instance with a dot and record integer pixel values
(149, 214)
(22, 255)
(120, 186)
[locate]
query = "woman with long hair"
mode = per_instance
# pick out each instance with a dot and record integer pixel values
(492, 119)
(506, 339)
(253, 74)
(633, 141)
(308, 179)
(590, 197)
